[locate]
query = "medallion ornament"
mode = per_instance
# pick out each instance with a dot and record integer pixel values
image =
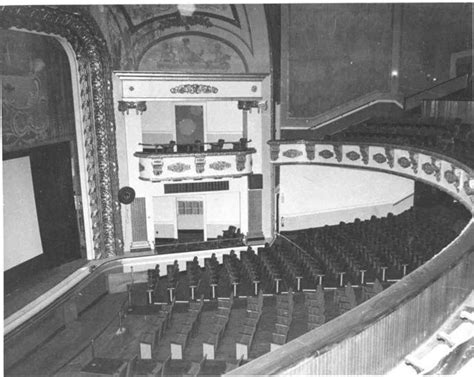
(353, 155)
(179, 167)
(292, 153)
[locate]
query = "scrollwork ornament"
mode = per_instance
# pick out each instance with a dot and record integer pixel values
(194, 89)
(220, 165)
(179, 167)
(292, 153)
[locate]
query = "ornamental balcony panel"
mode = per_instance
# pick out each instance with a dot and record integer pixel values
(443, 172)
(157, 167)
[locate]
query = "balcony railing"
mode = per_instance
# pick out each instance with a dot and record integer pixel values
(171, 162)
(183, 247)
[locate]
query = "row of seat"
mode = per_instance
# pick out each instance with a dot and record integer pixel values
(284, 308)
(246, 335)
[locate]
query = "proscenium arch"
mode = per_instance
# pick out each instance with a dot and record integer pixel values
(92, 92)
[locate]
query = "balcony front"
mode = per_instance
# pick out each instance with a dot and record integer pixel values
(177, 162)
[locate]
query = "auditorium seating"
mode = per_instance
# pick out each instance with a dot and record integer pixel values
(246, 336)
(221, 319)
(187, 330)
(284, 308)
(315, 305)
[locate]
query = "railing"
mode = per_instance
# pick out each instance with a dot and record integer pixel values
(183, 247)
(379, 333)
(196, 147)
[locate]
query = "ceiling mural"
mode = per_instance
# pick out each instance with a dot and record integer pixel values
(166, 37)
(138, 17)
(192, 53)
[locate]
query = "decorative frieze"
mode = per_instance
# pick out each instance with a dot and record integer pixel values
(194, 89)
(125, 106)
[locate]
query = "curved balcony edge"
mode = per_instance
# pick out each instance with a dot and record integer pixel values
(444, 172)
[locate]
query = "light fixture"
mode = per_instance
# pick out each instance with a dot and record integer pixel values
(186, 10)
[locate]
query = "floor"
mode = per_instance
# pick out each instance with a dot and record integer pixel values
(33, 286)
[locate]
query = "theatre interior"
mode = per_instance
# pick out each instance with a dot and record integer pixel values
(238, 189)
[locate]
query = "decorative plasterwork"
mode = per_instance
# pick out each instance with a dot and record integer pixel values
(274, 151)
(240, 159)
(326, 153)
(200, 162)
(353, 155)
(310, 151)
(432, 168)
(157, 165)
(292, 153)
(98, 124)
(220, 165)
(338, 152)
(414, 161)
(364, 151)
(379, 158)
(389, 153)
(125, 106)
(404, 162)
(194, 89)
(452, 178)
(179, 167)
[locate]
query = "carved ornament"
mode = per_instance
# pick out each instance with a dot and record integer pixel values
(364, 151)
(310, 150)
(404, 162)
(389, 153)
(157, 166)
(200, 162)
(326, 153)
(338, 152)
(125, 106)
(274, 151)
(179, 167)
(379, 158)
(292, 153)
(414, 161)
(451, 177)
(220, 165)
(240, 159)
(98, 124)
(194, 89)
(353, 155)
